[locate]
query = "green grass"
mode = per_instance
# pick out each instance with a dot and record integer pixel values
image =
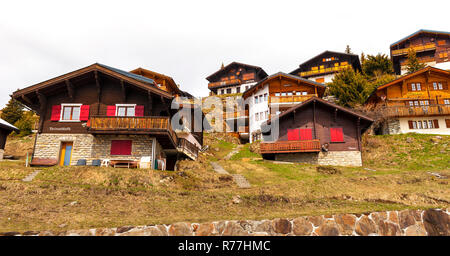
(245, 153)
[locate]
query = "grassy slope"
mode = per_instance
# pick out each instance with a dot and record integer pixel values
(108, 197)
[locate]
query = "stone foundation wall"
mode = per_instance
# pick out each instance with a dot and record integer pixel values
(391, 126)
(433, 222)
(89, 147)
(342, 158)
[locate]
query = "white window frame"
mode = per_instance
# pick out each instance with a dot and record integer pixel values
(62, 112)
(125, 105)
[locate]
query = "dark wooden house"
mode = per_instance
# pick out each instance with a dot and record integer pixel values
(5, 129)
(234, 78)
(324, 66)
(432, 48)
(100, 112)
(315, 131)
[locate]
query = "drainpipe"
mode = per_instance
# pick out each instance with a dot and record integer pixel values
(153, 153)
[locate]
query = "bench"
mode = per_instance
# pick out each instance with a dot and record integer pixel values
(123, 163)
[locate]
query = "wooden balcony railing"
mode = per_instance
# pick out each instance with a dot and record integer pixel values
(224, 83)
(237, 114)
(290, 146)
(113, 124)
(417, 48)
(430, 110)
(185, 145)
(324, 70)
(421, 60)
(289, 99)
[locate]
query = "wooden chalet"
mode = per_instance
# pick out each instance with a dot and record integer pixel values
(5, 129)
(234, 78)
(418, 102)
(431, 47)
(100, 112)
(324, 66)
(315, 131)
(274, 95)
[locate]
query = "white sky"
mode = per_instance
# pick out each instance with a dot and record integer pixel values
(188, 40)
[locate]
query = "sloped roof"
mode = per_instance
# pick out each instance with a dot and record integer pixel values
(7, 126)
(420, 32)
(210, 77)
(323, 102)
(420, 71)
(253, 88)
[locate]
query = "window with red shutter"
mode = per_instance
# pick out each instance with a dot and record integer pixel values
(121, 147)
(336, 134)
(56, 112)
(293, 134)
(110, 110)
(139, 110)
(305, 134)
(84, 113)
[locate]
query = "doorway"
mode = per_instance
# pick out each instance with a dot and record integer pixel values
(66, 153)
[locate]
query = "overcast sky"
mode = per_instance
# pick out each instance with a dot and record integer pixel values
(188, 40)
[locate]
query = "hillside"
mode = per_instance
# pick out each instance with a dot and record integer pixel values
(396, 176)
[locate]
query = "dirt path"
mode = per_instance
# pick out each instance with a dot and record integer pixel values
(232, 153)
(240, 180)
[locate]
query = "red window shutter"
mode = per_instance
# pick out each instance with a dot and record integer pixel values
(436, 123)
(56, 112)
(111, 110)
(84, 113)
(410, 124)
(336, 135)
(293, 134)
(305, 134)
(447, 123)
(139, 110)
(121, 147)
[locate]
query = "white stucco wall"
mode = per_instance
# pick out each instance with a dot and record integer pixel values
(257, 108)
(328, 78)
(442, 130)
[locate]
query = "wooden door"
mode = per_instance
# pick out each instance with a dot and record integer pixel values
(66, 153)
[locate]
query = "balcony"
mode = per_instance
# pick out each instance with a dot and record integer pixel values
(404, 111)
(324, 70)
(187, 148)
(290, 99)
(132, 125)
(417, 48)
(421, 60)
(290, 146)
(235, 115)
(224, 83)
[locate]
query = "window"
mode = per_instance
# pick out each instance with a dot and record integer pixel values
(289, 93)
(287, 85)
(257, 117)
(423, 124)
(304, 93)
(415, 87)
(277, 94)
(283, 94)
(298, 93)
(261, 98)
(267, 114)
(228, 90)
(125, 109)
(222, 91)
(70, 112)
(238, 89)
(256, 99)
(266, 97)
(447, 101)
(121, 147)
(336, 134)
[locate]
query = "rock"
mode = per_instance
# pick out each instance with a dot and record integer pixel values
(180, 229)
(302, 227)
(377, 216)
(236, 199)
(328, 228)
(62, 225)
(104, 232)
(388, 229)
(206, 229)
(46, 233)
(406, 219)
(232, 228)
(73, 203)
(437, 223)
(262, 226)
(327, 170)
(144, 231)
(281, 226)
(9, 234)
(409, 140)
(220, 226)
(123, 229)
(345, 223)
(316, 220)
(415, 230)
(30, 233)
(393, 217)
(365, 226)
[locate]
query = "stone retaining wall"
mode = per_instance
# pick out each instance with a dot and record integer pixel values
(433, 222)
(342, 158)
